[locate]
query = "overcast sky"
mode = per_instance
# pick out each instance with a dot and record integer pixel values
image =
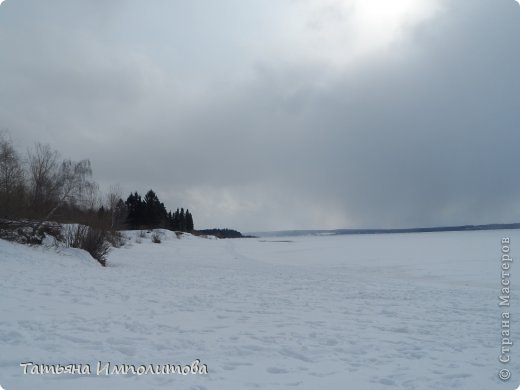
(281, 114)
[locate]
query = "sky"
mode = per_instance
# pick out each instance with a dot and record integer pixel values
(277, 114)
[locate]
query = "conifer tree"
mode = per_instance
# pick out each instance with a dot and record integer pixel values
(189, 221)
(182, 221)
(176, 220)
(136, 211)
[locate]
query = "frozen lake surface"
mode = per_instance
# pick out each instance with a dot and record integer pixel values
(400, 311)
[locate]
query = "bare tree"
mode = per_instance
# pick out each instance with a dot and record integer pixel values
(91, 199)
(11, 179)
(113, 197)
(72, 184)
(43, 176)
(54, 183)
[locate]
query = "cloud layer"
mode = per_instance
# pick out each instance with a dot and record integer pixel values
(294, 114)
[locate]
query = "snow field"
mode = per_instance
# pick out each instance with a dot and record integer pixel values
(401, 311)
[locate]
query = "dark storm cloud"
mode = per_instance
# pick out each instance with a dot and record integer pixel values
(193, 103)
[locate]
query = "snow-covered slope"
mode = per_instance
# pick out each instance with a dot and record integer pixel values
(404, 311)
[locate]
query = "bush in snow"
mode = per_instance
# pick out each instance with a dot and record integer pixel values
(93, 240)
(156, 237)
(115, 238)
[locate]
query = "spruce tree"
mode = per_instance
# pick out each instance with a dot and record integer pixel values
(176, 220)
(182, 221)
(136, 211)
(189, 221)
(155, 212)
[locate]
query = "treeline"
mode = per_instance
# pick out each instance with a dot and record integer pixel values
(43, 186)
(150, 212)
(221, 233)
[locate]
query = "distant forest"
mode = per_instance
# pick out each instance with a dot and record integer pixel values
(221, 233)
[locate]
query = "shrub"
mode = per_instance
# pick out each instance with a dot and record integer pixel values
(74, 235)
(96, 244)
(156, 237)
(94, 241)
(115, 238)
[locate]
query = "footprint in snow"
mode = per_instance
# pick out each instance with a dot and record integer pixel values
(277, 370)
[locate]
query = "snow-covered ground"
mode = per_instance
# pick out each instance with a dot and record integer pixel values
(403, 311)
